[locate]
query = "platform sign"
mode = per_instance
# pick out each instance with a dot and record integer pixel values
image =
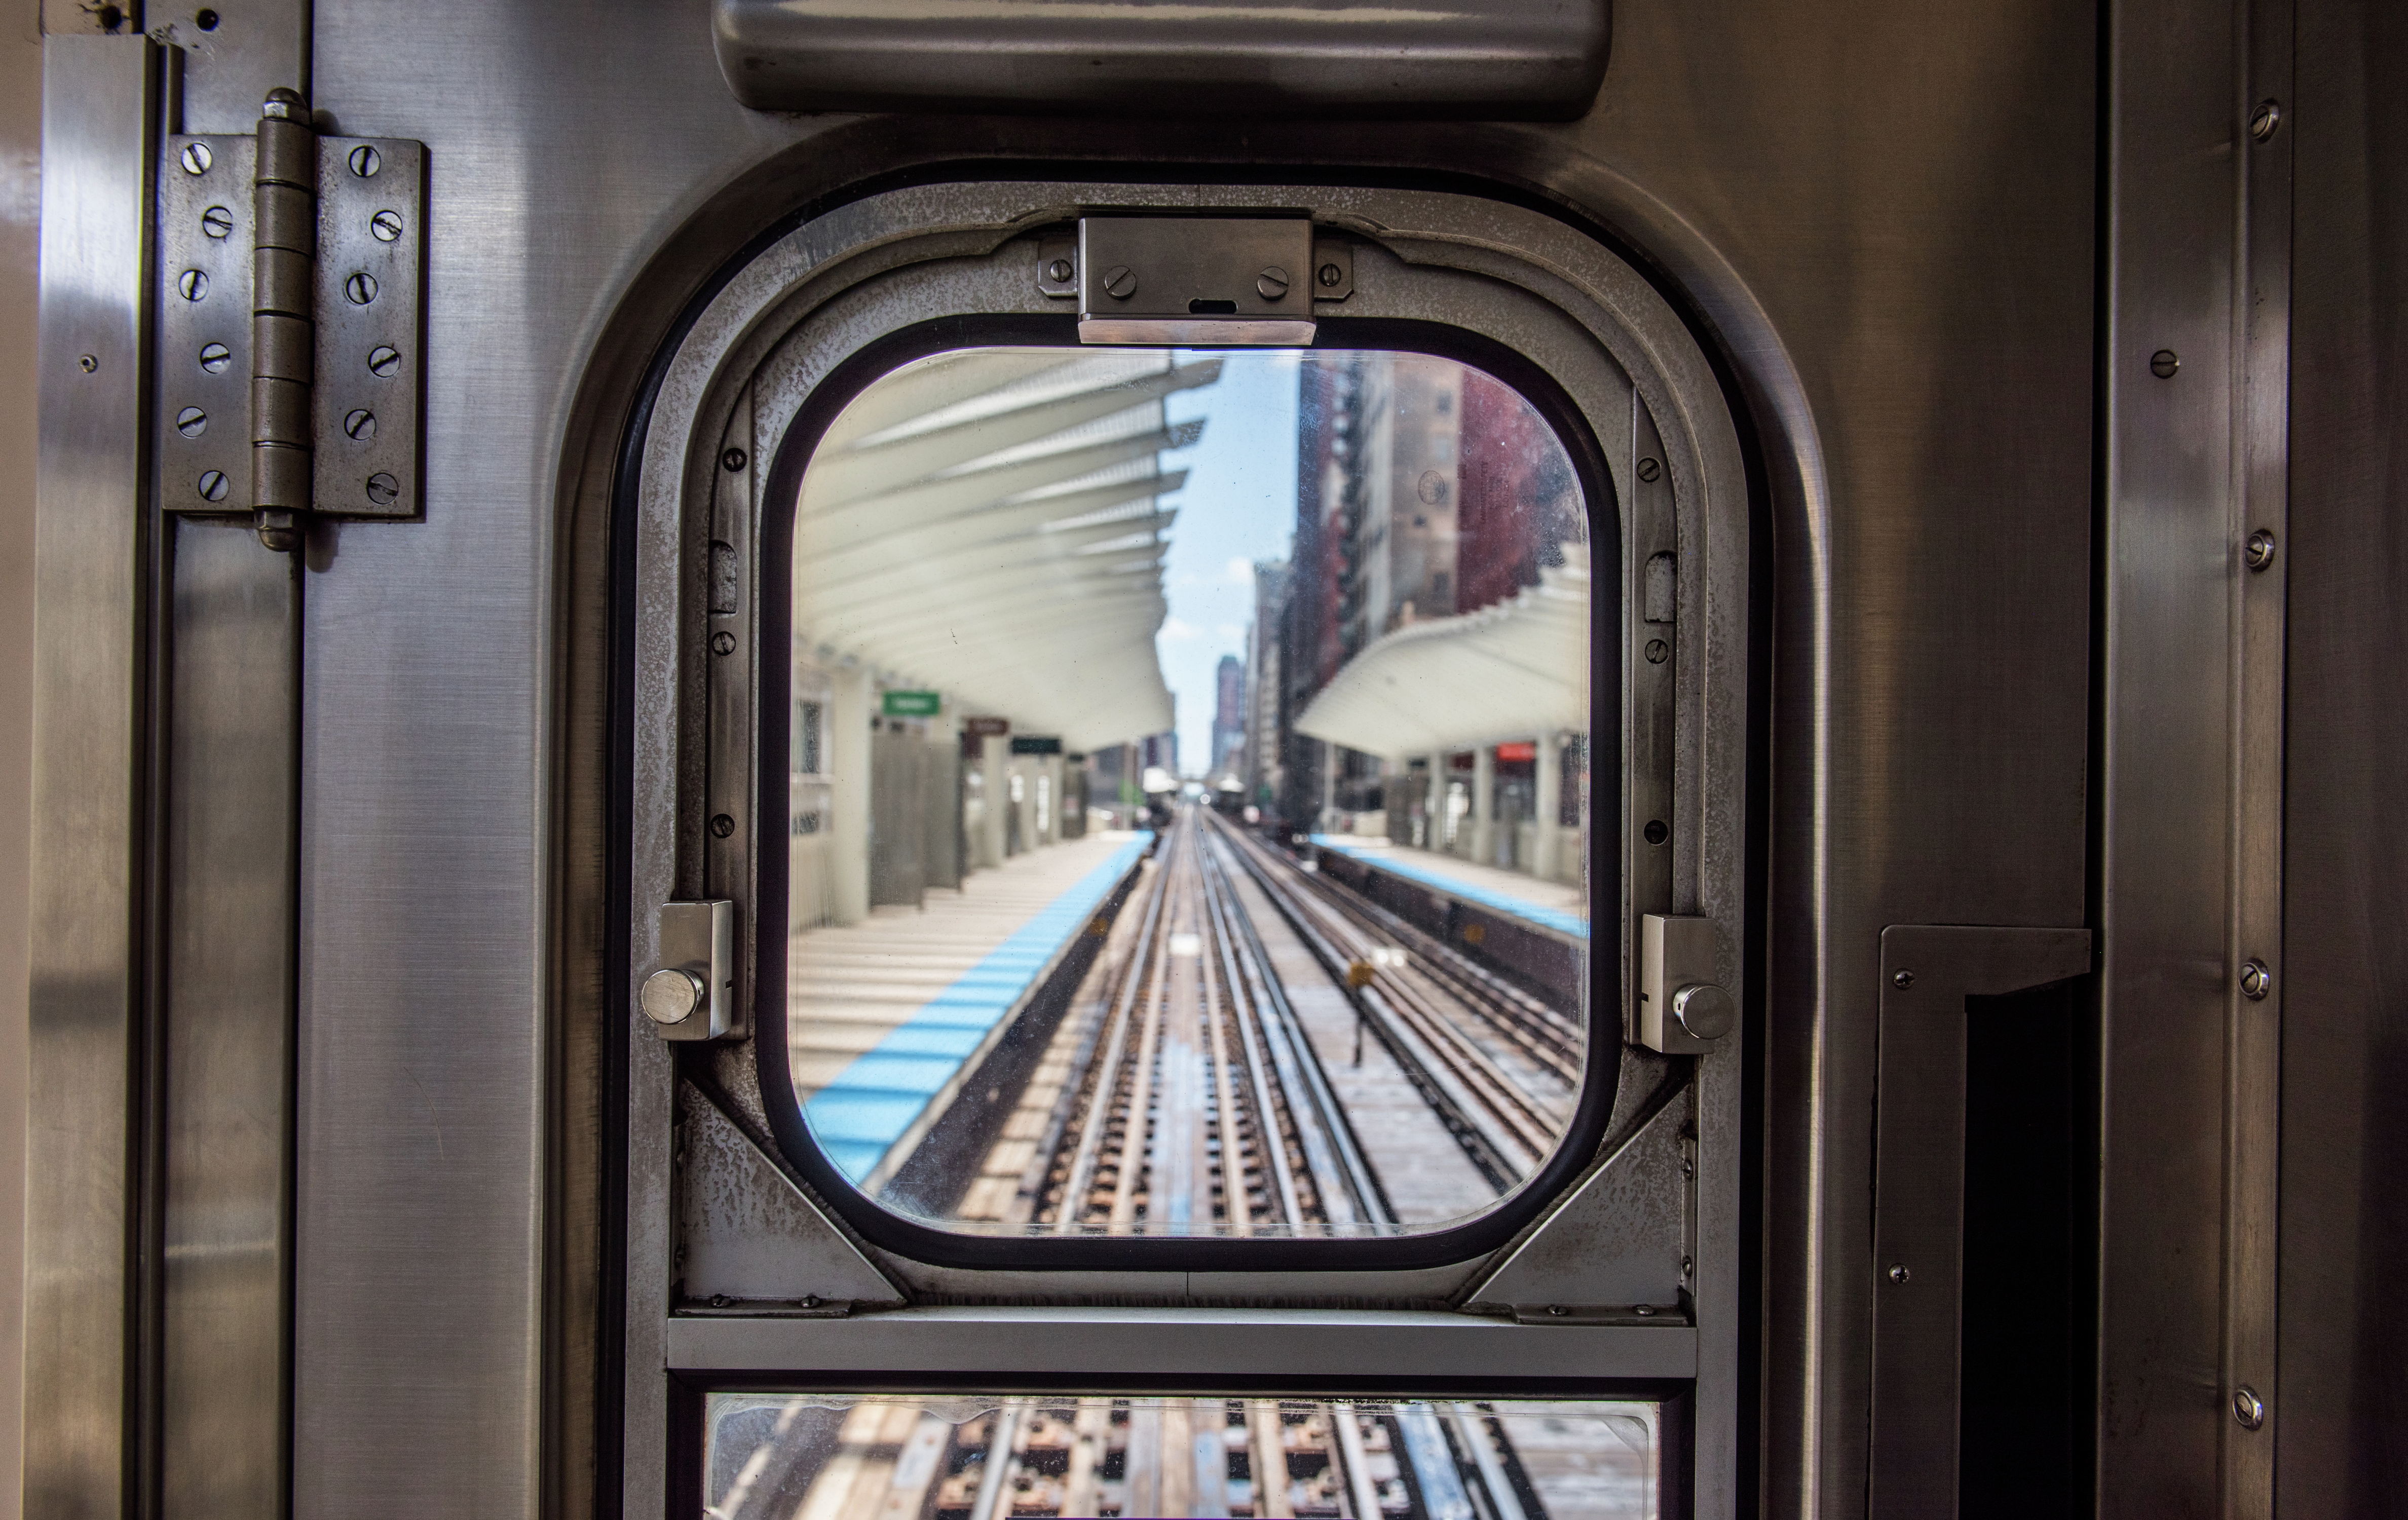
(913, 704)
(985, 727)
(1036, 745)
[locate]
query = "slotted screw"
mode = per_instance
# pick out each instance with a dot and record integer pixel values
(217, 222)
(192, 284)
(1271, 284)
(383, 489)
(366, 161)
(1120, 282)
(1649, 468)
(386, 225)
(191, 421)
(195, 158)
(1060, 271)
(383, 361)
(360, 424)
(215, 357)
(2265, 120)
(211, 485)
(360, 289)
(2259, 551)
(1331, 275)
(2163, 364)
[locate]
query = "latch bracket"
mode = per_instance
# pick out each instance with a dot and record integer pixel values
(292, 311)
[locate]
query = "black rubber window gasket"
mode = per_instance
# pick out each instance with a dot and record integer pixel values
(925, 1243)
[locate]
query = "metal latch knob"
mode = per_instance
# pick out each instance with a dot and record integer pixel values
(671, 994)
(1705, 1009)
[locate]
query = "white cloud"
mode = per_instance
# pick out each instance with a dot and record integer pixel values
(1174, 628)
(1229, 632)
(1242, 572)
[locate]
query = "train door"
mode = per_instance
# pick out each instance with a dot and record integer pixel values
(1225, 1155)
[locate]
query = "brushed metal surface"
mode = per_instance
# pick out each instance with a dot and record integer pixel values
(1205, 1343)
(1916, 1284)
(2344, 962)
(254, 46)
(229, 833)
(2183, 1052)
(747, 1234)
(1504, 59)
(98, 118)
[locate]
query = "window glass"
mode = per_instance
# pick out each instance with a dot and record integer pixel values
(988, 1458)
(1191, 810)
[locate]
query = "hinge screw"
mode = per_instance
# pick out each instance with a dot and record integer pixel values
(215, 357)
(191, 421)
(360, 424)
(211, 485)
(2265, 121)
(195, 158)
(2256, 979)
(386, 225)
(360, 289)
(1120, 282)
(2259, 551)
(383, 361)
(383, 489)
(217, 222)
(366, 161)
(192, 284)
(1271, 284)
(1902, 980)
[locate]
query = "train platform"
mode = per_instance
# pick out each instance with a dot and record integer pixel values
(885, 1016)
(1549, 906)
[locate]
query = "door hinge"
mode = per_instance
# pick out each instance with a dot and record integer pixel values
(291, 307)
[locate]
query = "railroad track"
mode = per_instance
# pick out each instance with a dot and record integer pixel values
(1189, 1098)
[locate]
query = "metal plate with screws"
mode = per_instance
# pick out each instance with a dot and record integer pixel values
(202, 403)
(371, 285)
(1194, 279)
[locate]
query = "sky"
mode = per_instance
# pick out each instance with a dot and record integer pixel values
(1238, 506)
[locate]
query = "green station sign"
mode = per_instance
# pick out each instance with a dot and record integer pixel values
(913, 704)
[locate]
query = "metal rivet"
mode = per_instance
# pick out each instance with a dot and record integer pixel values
(2248, 1407)
(211, 485)
(192, 284)
(383, 361)
(2265, 120)
(365, 161)
(719, 1300)
(1059, 270)
(385, 226)
(733, 460)
(1687, 1266)
(1897, 1272)
(360, 289)
(1902, 980)
(2163, 364)
(1643, 1310)
(723, 644)
(383, 489)
(1557, 1310)
(1272, 283)
(1331, 275)
(195, 158)
(721, 826)
(217, 222)
(215, 357)
(1656, 833)
(1649, 468)
(669, 995)
(88, 363)
(191, 421)
(2257, 978)
(1659, 651)
(360, 424)
(1120, 282)
(2259, 552)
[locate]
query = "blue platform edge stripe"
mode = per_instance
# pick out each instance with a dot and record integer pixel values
(1453, 886)
(875, 1101)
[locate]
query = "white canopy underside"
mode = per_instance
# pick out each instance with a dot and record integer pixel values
(1512, 671)
(985, 524)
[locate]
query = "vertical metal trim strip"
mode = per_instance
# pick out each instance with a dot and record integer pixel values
(99, 108)
(2252, 1130)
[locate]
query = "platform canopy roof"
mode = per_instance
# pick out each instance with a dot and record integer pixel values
(988, 524)
(1512, 671)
